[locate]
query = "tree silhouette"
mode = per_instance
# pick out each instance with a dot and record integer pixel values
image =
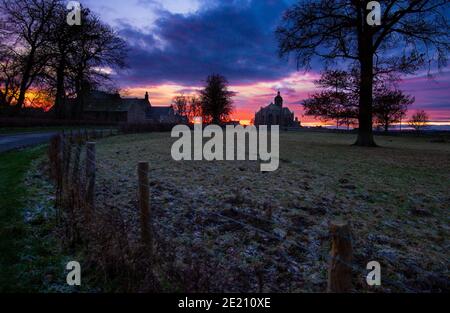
(337, 100)
(339, 95)
(28, 26)
(411, 33)
(180, 105)
(419, 120)
(195, 108)
(39, 50)
(9, 77)
(216, 99)
(390, 106)
(98, 47)
(63, 42)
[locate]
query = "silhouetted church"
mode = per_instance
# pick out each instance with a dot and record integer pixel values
(276, 114)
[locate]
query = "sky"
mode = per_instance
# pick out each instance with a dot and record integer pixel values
(175, 44)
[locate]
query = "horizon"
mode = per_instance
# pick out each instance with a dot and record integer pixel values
(174, 45)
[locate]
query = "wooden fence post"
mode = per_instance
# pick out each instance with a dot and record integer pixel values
(340, 270)
(67, 155)
(75, 180)
(60, 175)
(144, 206)
(90, 177)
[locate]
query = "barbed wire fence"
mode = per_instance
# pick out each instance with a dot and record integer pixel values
(123, 246)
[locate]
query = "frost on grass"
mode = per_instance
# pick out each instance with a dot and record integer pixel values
(225, 226)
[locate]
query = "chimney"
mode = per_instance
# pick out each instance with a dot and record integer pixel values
(146, 96)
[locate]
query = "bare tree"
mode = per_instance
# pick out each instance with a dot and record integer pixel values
(419, 120)
(99, 51)
(216, 99)
(9, 78)
(411, 33)
(28, 24)
(195, 108)
(40, 50)
(63, 40)
(180, 105)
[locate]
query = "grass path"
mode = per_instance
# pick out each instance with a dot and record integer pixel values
(13, 230)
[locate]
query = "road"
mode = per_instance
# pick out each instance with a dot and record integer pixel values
(17, 141)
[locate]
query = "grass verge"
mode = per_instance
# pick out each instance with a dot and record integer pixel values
(27, 257)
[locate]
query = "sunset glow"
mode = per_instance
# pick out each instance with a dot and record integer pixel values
(295, 88)
(166, 61)
(249, 98)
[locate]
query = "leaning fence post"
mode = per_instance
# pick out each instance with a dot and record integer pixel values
(340, 270)
(90, 177)
(144, 205)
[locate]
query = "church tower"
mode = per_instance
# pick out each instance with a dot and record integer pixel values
(279, 100)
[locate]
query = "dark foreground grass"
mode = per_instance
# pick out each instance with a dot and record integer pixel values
(19, 245)
(396, 197)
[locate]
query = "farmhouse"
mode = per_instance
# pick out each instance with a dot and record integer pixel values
(105, 107)
(276, 114)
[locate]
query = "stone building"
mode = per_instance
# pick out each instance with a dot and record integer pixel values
(276, 114)
(105, 107)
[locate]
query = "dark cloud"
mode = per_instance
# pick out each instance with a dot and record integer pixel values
(235, 39)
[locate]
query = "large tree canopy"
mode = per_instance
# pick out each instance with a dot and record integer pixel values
(412, 33)
(337, 100)
(339, 95)
(26, 27)
(39, 50)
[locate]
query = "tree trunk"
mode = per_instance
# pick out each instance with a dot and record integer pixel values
(216, 120)
(365, 131)
(25, 80)
(60, 92)
(23, 90)
(3, 98)
(80, 89)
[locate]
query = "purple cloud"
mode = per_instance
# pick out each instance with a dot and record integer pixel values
(237, 41)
